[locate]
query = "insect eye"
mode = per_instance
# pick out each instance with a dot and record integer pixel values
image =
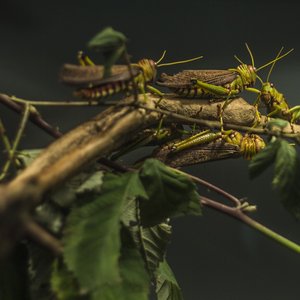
(271, 84)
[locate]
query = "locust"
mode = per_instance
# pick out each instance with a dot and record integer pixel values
(248, 144)
(90, 82)
(219, 84)
(275, 102)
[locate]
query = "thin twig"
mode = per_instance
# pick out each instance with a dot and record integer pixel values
(34, 117)
(16, 142)
(240, 215)
(212, 187)
(4, 138)
(43, 237)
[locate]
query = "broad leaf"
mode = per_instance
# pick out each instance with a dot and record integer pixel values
(134, 283)
(154, 241)
(40, 265)
(63, 284)
(277, 124)
(26, 157)
(167, 287)
(286, 177)
(151, 241)
(107, 39)
(81, 186)
(170, 193)
(263, 159)
(285, 165)
(112, 44)
(92, 238)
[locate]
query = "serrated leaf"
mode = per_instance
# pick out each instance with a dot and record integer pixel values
(167, 287)
(92, 184)
(81, 186)
(63, 284)
(134, 283)
(279, 123)
(263, 159)
(92, 238)
(26, 157)
(112, 43)
(154, 242)
(107, 39)
(40, 265)
(151, 241)
(170, 193)
(287, 177)
(285, 165)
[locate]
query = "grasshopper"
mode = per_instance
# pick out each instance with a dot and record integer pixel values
(91, 83)
(249, 144)
(277, 105)
(223, 84)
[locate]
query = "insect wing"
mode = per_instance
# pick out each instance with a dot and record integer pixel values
(86, 76)
(121, 76)
(183, 79)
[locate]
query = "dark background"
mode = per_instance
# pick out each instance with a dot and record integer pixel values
(213, 257)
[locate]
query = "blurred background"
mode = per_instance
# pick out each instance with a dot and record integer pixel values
(213, 257)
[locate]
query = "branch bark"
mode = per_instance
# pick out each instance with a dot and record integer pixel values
(104, 134)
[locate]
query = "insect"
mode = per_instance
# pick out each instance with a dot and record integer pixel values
(91, 83)
(215, 83)
(249, 144)
(277, 105)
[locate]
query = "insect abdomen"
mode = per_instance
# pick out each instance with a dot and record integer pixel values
(98, 92)
(192, 92)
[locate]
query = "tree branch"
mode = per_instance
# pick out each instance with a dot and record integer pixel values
(101, 136)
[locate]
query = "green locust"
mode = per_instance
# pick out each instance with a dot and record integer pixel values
(249, 144)
(215, 84)
(91, 83)
(275, 102)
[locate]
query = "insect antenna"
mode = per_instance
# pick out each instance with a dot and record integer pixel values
(162, 57)
(273, 64)
(250, 53)
(260, 80)
(239, 60)
(274, 60)
(178, 62)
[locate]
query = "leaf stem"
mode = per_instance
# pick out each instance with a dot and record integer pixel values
(240, 215)
(16, 142)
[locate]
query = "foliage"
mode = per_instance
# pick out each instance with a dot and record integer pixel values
(115, 227)
(286, 171)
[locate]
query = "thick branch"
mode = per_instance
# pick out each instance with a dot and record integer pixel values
(82, 146)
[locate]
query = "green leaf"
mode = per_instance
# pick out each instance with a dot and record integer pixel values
(287, 177)
(275, 124)
(39, 267)
(170, 193)
(167, 287)
(112, 43)
(154, 242)
(63, 284)
(151, 241)
(134, 283)
(263, 159)
(285, 165)
(107, 39)
(26, 157)
(81, 186)
(92, 237)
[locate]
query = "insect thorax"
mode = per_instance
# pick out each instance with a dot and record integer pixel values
(247, 75)
(149, 68)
